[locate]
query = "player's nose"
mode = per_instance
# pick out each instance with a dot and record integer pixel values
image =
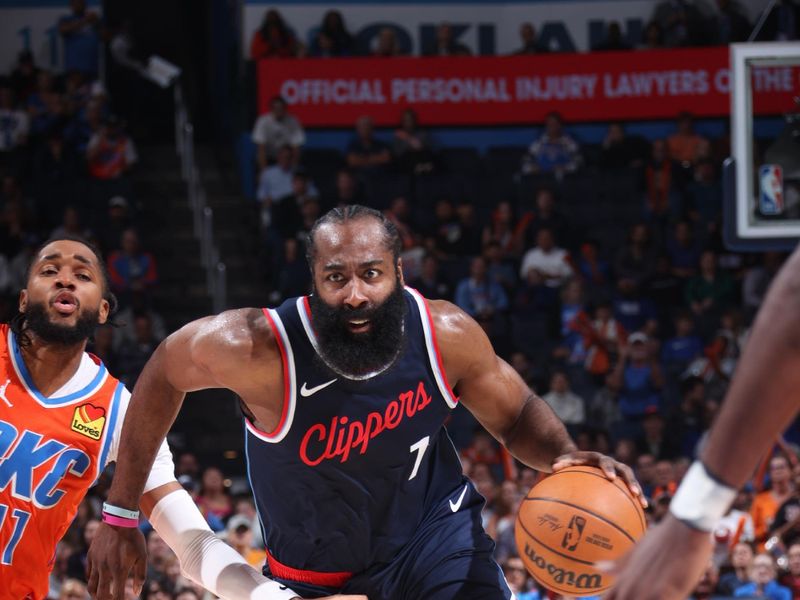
(65, 280)
(355, 298)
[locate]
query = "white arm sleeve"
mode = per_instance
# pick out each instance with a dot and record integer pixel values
(163, 470)
(207, 560)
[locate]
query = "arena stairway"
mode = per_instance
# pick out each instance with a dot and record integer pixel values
(209, 423)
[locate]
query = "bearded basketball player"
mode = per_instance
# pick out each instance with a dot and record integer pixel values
(346, 391)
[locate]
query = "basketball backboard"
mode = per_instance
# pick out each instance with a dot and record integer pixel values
(761, 181)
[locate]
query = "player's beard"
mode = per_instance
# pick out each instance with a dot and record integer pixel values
(38, 321)
(359, 355)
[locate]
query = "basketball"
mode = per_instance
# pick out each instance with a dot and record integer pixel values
(571, 520)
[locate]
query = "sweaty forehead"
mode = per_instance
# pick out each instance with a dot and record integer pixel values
(360, 240)
(67, 249)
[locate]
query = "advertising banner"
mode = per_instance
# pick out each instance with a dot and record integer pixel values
(518, 89)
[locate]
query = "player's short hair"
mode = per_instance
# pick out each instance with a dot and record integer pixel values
(352, 212)
(17, 322)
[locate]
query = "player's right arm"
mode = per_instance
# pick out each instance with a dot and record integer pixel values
(207, 353)
(190, 359)
(234, 350)
(761, 402)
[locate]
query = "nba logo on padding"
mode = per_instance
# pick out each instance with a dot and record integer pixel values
(573, 533)
(770, 199)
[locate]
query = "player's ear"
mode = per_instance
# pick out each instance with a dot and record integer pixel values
(399, 268)
(23, 300)
(105, 309)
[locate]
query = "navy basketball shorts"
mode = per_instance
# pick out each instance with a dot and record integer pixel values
(449, 558)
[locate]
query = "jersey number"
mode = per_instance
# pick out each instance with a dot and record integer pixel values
(419, 448)
(20, 518)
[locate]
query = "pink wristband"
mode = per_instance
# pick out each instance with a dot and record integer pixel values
(120, 521)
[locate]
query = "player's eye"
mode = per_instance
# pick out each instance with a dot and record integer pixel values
(371, 273)
(335, 277)
(83, 276)
(49, 271)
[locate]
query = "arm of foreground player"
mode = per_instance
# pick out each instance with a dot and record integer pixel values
(760, 403)
(204, 558)
(498, 397)
(179, 365)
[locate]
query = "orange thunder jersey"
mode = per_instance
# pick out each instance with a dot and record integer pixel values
(52, 449)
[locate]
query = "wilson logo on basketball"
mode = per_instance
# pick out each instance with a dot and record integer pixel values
(561, 576)
(89, 420)
(342, 436)
(573, 533)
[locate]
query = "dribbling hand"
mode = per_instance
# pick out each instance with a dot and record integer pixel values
(610, 467)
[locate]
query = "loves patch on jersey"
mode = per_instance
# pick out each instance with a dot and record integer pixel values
(89, 420)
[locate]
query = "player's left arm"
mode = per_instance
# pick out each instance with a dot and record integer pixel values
(501, 401)
(495, 393)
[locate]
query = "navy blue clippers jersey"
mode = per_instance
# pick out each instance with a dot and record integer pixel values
(353, 467)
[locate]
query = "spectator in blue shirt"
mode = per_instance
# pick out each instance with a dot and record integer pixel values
(500, 271)
(276, 185)
(81, 39)
(762, 581)
(572, 346)
(678, 351)
(554, 152)
(519, 580)
(638, 378)
(683, 251)
(741, 561)
(478, 296)
(365, 152)
(631, 309)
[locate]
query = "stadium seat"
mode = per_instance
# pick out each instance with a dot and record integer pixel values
(461, 160)
(382, 188)
(504, 159)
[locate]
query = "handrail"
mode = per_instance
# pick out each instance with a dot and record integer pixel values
(165, 74)
(202, 215)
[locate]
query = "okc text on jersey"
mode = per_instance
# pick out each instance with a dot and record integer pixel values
(26, 451)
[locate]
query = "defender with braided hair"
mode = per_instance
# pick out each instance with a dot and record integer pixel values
(60, 419)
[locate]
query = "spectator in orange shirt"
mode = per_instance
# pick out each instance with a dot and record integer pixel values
(602, 336)
(274, 39)
(766, 504)
(685, 143)
(483, 450)
(507, 230)
(110, 153)
(664, 479)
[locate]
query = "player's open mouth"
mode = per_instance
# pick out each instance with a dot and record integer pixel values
(65, 303)
(359, 325)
